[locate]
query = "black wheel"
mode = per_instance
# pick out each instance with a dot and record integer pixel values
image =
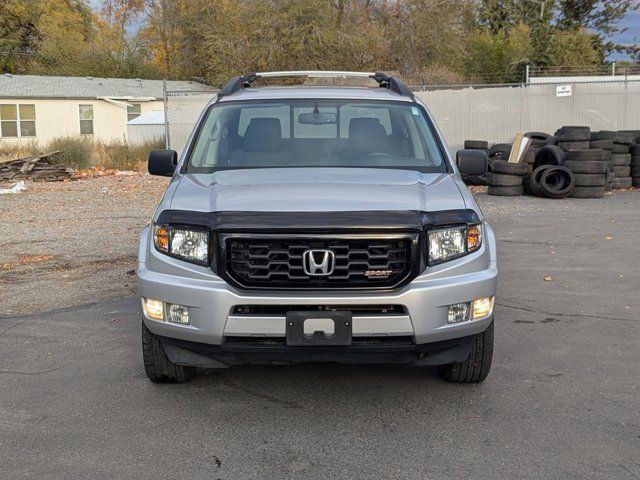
(635, 181)
(502, 180)
(533, 183)
(578, 145)
(621, 159)
(590, 180)
(157, 365)
(601, 144)
(549, 155)
(504, 148)
(603, 135)
(620, 148)
(504, 167)
(619, 172)
(505, 191)
(590, 155)
(476, 368)
(586, 166)
(557, 182)
(573, 134)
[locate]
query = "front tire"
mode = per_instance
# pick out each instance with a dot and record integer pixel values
(157, 365)
(475, 368)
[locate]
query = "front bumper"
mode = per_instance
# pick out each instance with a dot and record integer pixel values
(211, 301)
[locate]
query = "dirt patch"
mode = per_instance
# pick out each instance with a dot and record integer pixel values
(70, 243)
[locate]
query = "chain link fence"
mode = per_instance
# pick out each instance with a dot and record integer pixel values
(181, 111)
(497, 112)
(480, 112)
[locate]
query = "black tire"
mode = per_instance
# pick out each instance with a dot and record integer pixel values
(625, 137)
(635, 161)
(595, 154)
(533, 182)
(603, 135)
(557, 182)
(573, 134)
(549, 155)
(539, 139)
(634, 149)
(635, 171)
(624, 182)
(621, 159)
(621, 172)
(601, 144)
(587, 192)
(475, 368)
(590, 180)
(504, 148)
(157, 365)
(620, 148)
(586, 166)
(505, 191)
(502, 166)
(476, 145)
(566, 146)
(635, 182)
(502, 180)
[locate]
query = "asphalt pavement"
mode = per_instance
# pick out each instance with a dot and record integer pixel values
(562, 400)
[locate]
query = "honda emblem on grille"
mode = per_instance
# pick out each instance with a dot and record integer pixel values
(318, 262)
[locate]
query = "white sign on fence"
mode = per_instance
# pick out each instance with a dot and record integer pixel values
(563, 91)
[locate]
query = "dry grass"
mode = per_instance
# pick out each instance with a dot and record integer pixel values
(82, 153)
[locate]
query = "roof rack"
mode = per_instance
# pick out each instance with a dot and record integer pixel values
(392, 83)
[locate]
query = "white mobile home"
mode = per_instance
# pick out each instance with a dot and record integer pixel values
(37, 109)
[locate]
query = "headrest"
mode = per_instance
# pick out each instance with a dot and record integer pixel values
(263, 135)
(366, 134)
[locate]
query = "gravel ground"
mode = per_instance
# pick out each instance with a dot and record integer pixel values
(73, 243)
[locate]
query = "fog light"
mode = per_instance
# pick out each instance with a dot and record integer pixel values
(482, 307)
(178, 314)
(154, 309)
(458, 313)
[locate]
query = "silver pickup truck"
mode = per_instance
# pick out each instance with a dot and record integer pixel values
(317, 224)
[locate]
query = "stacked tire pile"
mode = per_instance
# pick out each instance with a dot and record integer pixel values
(634, 151)
(550, 178)
(588, 166)
(621, 157)
(507, 179)
(604, 141)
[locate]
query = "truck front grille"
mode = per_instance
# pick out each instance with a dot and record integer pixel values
(358, 262)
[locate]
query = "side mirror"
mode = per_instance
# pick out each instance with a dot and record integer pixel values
(163, 162)
(471, 162)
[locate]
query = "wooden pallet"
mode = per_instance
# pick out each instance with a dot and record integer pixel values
(40, 168)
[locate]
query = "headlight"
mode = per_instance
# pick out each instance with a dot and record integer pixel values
(185, 243)
(449, 243)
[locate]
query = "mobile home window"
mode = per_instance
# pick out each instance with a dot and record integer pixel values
(18, 120)
(133, 111)
(86, 119)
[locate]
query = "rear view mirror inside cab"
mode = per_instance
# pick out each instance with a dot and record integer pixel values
(317, 118)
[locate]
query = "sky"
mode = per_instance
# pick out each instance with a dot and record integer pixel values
(631, 36)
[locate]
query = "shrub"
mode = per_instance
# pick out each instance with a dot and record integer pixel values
(124, 157)
(76, 152)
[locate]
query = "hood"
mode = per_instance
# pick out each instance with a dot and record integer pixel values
(317, 190)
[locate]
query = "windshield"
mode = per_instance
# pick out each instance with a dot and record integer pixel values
(315, 133)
